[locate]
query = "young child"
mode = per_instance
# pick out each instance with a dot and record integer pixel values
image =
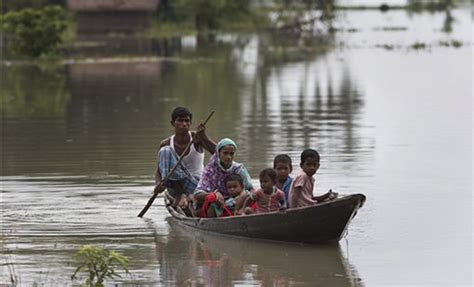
(267, 198)
(235, 188)
(215, 206)
(301, 191)
(283, 168)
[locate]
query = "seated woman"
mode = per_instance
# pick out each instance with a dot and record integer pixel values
(211, 192)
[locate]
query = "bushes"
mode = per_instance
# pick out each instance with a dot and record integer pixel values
(35, 32)
(10, 5)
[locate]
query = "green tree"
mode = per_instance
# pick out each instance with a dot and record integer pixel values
(11, 5)
(35, 32)
(99, 264)
(204, 14)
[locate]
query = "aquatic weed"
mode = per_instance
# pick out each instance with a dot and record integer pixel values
(418, 46)
(99, 264)
(456, 43)
(386, 46)
(393, 29)
(452, 43)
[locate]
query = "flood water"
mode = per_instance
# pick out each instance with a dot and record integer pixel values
(393, 122)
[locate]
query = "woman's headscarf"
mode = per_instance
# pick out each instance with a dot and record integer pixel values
(214, 174)
(223, 142)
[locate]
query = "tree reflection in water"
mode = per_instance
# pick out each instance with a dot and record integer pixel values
(272, 93)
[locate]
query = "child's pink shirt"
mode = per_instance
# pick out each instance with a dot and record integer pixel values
(305, 197)
(268, 202)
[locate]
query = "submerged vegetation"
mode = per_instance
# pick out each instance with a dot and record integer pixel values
(99, 264)
(431, 5)
(204, 15)
(182, 17)
(452, 43)
(412, 6)
(386, 46)
(418, 46)
(35, 29)
(422, 45)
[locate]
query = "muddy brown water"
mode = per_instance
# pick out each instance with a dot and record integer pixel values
(390, 121)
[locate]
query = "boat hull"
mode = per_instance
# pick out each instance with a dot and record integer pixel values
(321, 223)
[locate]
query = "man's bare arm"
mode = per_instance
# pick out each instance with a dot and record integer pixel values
(203, 140)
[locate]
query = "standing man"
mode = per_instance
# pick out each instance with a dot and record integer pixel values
(185, 178)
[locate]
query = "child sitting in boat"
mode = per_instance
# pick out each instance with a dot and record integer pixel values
(268, 197)
(233, 205)
(237, 196)
(283, 168)
(301, 191)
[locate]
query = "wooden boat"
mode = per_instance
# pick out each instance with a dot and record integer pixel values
(321, 223)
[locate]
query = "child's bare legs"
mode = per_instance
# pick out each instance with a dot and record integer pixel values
(183, 201)
(249, 210)
(239, 204)
(198, 200)
(211, 212)
(179, 195)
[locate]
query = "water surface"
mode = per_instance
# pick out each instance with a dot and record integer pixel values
(390, 121)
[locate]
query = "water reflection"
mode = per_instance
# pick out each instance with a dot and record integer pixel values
(109, 116)
(113, 113)
(448, 22)
(38, 239)
(29, 91)
(96, 46)
(33, 101)
(106, 117)
(297, 98)
(196, 258)
(91, 119)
